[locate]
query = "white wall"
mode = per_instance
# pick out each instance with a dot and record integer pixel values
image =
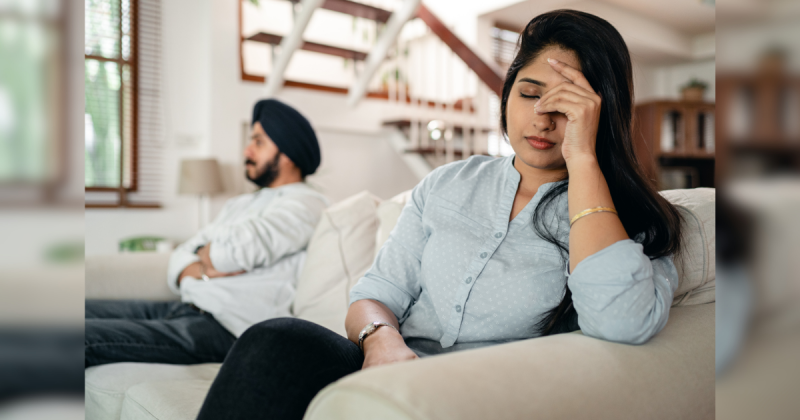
(665, 82)
(741, 46)
(380, 170)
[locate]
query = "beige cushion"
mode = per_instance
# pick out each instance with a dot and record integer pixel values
(695, 263)
(388, 213)
(165, 400)
(132, 275)
(339, 253)
(565, 376)
(106, 386)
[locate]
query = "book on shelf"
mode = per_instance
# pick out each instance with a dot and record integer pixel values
(709, 134)
(671, 131)
(675, 178)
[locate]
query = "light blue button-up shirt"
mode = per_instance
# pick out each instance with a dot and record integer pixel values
(457, 274)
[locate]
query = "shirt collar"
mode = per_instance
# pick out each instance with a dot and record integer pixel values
(284, 186)
(513, 175)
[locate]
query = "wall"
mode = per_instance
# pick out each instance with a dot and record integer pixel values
(665, 82)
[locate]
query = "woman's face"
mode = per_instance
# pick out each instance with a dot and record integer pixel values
(536, 139)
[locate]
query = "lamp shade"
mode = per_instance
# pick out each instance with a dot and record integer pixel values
(200, 176)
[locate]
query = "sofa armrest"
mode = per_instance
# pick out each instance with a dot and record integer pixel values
(564, 376)
(137, 275)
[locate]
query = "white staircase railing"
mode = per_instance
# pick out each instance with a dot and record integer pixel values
(439, 103)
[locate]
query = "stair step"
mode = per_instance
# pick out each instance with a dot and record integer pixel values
(310, 46)
(355, 9)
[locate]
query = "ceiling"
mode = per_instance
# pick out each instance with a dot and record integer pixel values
(656, 31)
(691, 17)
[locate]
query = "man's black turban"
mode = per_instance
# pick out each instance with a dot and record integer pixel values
(290, 131)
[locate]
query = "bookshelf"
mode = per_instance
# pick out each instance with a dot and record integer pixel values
(759, 123)
(675, 142)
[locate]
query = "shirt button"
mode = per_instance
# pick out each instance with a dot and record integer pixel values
(469, 280)
(483, 255)
(458, 308)
(498, 235)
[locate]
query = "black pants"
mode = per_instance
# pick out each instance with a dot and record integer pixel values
(276, 368)
(152, 332)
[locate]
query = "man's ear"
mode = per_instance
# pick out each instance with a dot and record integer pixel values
(286, 164)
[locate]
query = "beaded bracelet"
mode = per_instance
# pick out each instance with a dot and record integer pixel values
(590, 211)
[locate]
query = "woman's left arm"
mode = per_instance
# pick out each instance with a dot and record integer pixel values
(619, 294)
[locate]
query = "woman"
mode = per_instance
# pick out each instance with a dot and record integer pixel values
(483, 251)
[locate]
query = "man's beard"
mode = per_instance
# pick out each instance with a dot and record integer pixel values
(267, 175)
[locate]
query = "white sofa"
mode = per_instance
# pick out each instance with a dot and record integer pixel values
(563, 376)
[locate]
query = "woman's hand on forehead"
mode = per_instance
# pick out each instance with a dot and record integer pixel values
(571, 74)
(580, 103)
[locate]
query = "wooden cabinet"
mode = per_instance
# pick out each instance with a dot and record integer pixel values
(675, 143)
(759, 124)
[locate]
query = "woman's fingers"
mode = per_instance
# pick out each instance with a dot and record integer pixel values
(565, 102)
(574, 75)
(569, 87)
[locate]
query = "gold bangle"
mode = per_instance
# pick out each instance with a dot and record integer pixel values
(590, 211)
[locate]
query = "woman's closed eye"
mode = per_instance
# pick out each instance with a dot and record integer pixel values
(529, 96)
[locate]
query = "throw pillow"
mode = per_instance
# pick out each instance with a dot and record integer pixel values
(339, 253)
(696, 263)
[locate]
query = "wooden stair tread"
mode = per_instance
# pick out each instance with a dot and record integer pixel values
(356, 9)
(273, 39)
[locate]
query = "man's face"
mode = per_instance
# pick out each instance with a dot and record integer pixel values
(262, 158)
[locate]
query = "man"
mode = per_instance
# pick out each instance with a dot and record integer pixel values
(238, 271)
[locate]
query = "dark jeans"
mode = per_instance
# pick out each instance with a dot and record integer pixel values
(276, 368)
(152, 332)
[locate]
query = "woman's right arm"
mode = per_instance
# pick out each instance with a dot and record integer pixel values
(390, 287)
(383, 346)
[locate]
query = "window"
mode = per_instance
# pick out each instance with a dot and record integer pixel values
(31, 83)
(504, 45)
(110, 89)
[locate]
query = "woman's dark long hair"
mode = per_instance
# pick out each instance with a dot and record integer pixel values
(606, 64)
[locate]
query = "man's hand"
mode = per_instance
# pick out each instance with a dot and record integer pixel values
(205, 257)
(205, 260)
(385, 346)
(192, 270)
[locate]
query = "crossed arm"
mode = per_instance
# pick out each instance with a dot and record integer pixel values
(281, 229)
(204, 267)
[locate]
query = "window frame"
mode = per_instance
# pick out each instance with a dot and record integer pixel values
(495, 52)
(133, 62)
(60, 23)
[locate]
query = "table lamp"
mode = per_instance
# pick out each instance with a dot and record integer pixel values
(201, 177)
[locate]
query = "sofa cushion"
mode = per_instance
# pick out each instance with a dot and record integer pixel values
(132, 275)
(339, 253)
(388, 213)
(165, 400)
(695, 262)
(562, 376)
(106, 385)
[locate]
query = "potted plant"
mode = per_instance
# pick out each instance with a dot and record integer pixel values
(694, 90)
(773, 61)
